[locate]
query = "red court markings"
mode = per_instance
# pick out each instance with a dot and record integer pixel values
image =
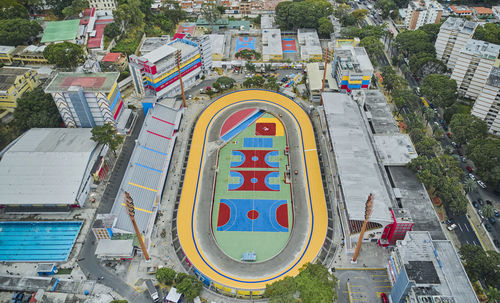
(258, 176)
(265, 129)
(94, 82)
(253, 214)
(288, 45)
(282, 215)
(250, 161)
(224, 214)
(235, 119)
(153, 133)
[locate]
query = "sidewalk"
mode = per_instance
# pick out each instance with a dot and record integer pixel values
(483, 236)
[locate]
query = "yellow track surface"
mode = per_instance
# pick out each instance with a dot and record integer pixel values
(315, 197)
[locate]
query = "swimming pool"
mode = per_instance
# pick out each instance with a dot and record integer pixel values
(26, 241)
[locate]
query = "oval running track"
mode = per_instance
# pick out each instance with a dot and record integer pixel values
(315, 197)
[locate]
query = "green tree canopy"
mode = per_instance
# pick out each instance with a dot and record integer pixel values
(36, 109)
(112, 30)
(13, 11)
(486, 156)
(316, 284)
(57, 6)
(302, 14)
(107, 135)
(165, 275)
(248, 54)
(392, 80)
(404, 97)
(225, 82)
(455, 108)
(325, 27)
(377, 31)
(128, 13)
(439, 89)
(481, 265)
(76, 7)
(190, 287)
(466, 127)
(179, 277)
(65, 55)
(282, 291)
(426, 146)
(373, 47)
(173, 12)
(414, 42)
(360, 14)
(424, 64)
(432, 30)
(210, 12)
(119, 301)
(386, 6)
(18, 31)
(489, 32)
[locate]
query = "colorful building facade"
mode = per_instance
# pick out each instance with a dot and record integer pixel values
(352, 68)
(14, 81)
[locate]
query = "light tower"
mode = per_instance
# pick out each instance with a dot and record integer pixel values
(368, 212)
(129, 203)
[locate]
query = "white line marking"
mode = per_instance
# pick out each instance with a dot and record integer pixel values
(460, 226)
(310, 150)
(466, 227)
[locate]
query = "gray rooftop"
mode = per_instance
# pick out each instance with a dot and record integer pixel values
(309, 42)
(417, 201)
(353, 58)
(159, 53)
(108, 247)
(459, 24)
(436, 263)
(147, 170)
(494, 77)
(481, 48)
(46, 166)
(266, 21)
(217, 42)
(273, 42)
(395, 149)
(358, 168)
(5, 49)
(152, 43)
(380, 113)
(8, 76)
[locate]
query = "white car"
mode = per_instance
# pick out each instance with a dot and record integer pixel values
(481, 183)
(452, 227)
(472, 177)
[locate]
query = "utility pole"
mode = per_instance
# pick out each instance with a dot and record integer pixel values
(368, 212)
(178, 57)
(326, 55)
(129, 203)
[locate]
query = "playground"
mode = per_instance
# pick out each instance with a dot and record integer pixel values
(252, 211)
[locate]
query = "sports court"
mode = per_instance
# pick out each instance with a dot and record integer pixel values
(244, 43)
(252, 211)
(289, 45)
(186, 28)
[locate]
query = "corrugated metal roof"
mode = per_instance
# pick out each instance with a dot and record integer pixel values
(147, 168)
(46, 166)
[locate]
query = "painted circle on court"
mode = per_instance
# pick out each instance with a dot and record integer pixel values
(252, 214)
(253, 180)
(255, 158)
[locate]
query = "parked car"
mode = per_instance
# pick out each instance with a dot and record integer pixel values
(468, 168)
(492, 220)
(481, 202)
(497, 214)
(480, 212)
(474, 203)
(481, 183)
(452, 227)
(472, 177)
(488, 227)
(449, 221)
(383, 296)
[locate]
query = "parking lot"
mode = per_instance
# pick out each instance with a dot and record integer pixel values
(362, 285)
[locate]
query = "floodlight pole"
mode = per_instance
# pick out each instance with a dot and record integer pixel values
(368, 212)
(129, 203)
(178, 59)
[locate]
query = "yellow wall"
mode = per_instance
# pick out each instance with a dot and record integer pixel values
(28, 82)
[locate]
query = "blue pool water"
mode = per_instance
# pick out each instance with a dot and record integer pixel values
(23, 241)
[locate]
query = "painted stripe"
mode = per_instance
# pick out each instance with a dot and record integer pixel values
(117, 97)
(118, 110)
(144, 187)
(140, 209)
(154, 150)
(112, 90)
(153, 133)
(145, 166)
(184, 71)
(172, 70)
(162, 120)
(176, 77)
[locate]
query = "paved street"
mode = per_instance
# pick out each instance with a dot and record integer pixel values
(362, 285)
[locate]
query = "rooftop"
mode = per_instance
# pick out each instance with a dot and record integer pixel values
(266, 21)
(494, 77)
(459, 24)
(30, 49)
(481, 48)
(358, 168)
(426, 4)
(111, 57)
(309, 42)
(8, 76)
(89, 82)
(273, 38)
(395, 149)
(437, 263)
(353, 58)
(315, 76)
(46, 166)
(483, 10)
(217, 42)
(108, 247)
(4, 49)
(60, 31)
(147, 168)
(96, 40)
(163, 57)
(461, 9)
(152, 43)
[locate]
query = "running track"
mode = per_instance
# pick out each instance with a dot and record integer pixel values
(315, 198)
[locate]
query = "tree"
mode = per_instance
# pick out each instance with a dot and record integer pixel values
(486, 156)
(360, 14)
(282, 291)
(426, 146)
(432, 30)
(391, 80)
(316, 284)
(106, 134)
(65, 55)
(225, 82)
(190, 287)
(493, 294)
(488, 211)
(179, 277)
(439, 90)
(466, 127)
(489, 32)
(174, 13)
(210, 12)
(13, 11)
(128, 13)
(248, 54)
(18, 31)
(373, 47)
(57, 6)
(470, 185)
(404, 97)
(165, 275)
(325, 27)
(424, 64)
(36, 109)
(76, 7)
(222, 10)
(386, 6)
(250, 66)
(455, 108)
(301, 14)
(414, 42)
(112, 30)
(480, 265)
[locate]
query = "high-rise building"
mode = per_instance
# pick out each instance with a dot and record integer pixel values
(422, 12)
(473, 65)
(155, 74)
(487, 105)
(352, 68)
(103, 5)
(87, 99)
(451, 38)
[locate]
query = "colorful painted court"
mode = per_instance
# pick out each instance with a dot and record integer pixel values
(252, 207)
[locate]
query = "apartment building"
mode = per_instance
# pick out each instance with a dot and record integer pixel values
(473, 66)
(487, 104)
(352, 68)
(422, 12)
(460, 10)
(14, 81)
(155, 74)
(103, 5)
(452, 37)
(87, 99)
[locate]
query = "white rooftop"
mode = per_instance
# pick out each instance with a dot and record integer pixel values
(217, 42)
(111, 248)
(46, 166)
(315, 76)
(358, 168)
(4, 49)
(309, 42)
(459, 24)
(159, 53)
(481, 48)
(271, 42)
(395, 149)
(266, 21)
(173, 295)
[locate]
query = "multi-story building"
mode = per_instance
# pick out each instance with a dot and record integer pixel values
(23, 54)
(245, 7)
(155, 74)
(422, 269)
(271, 44)
(487, 105)
(352, 68)
(480, 11)
(103, 5)
(310, 47)
(14, 81)
(6, 54)
(473, 65)
(87, 99)
(460, 10)
(452, 37)
(422, 12)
